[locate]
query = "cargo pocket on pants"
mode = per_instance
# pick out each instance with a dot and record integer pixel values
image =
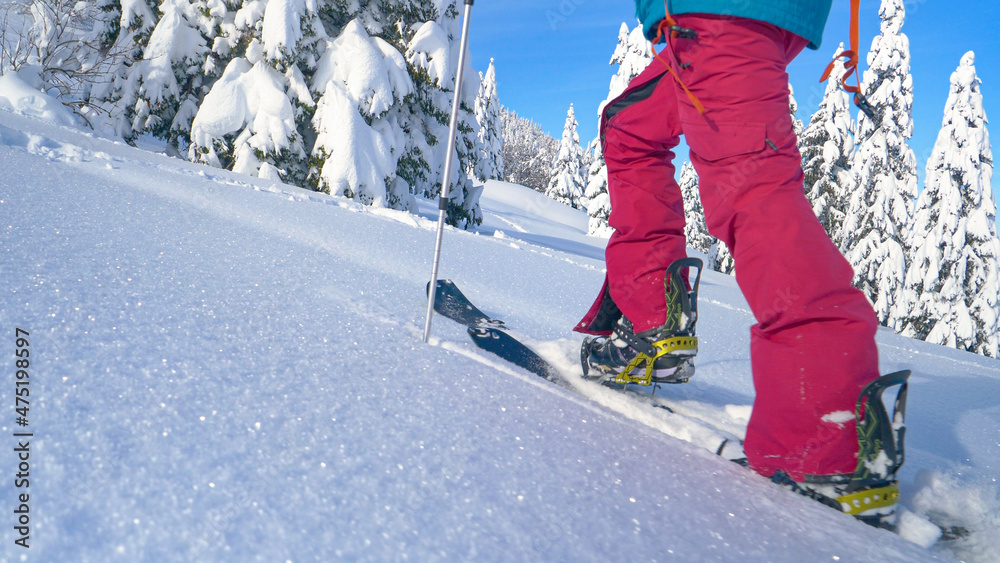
(720, 141)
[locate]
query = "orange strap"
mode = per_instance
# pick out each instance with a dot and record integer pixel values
(851, 64)
(669, 23)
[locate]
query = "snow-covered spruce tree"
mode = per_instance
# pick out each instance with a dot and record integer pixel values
(394, 21)
(720, 259)
(125, 27)
(566, 182)
(596, 194)
(954, 272)
(793, 108)
(255, 119)
(632, 55)
(361, 82)
(695, 229)
(827, 146)
(528, 151)
(880, 209)
(490, 162)
(161, 93)
(432, 54)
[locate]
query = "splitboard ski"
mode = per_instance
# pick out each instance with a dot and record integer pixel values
(493, 336)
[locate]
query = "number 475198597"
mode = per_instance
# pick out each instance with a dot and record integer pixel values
(22, 363)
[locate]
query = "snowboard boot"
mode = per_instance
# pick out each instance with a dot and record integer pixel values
(659, 355)
(869, 494)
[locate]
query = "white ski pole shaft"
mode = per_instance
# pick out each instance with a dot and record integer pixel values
(448, 162)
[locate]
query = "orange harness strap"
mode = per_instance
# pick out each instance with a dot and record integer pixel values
(674, 32)
(851, 64)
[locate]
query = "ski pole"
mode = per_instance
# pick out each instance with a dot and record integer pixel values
(448, 160)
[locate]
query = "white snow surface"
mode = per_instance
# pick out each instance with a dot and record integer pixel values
(226, 368)
(19, 97)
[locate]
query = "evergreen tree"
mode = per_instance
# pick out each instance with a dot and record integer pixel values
(827, 146)
(954, 275)
(427, 33)
(720, 259)
(432, 54)
(880, 209)
(793, 108)
(598, 199)
(632, 55)
(695, 229)
(254, 120)
(528, 151)
(490, 165)
(361, 82)
(160, 94)
(566, 182)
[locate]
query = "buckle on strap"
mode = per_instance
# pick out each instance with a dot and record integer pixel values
(662, 348)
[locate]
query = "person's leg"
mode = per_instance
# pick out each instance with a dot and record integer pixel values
(640, 128)
(813, 348)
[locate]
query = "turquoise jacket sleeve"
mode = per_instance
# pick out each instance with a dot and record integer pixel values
(805, 18)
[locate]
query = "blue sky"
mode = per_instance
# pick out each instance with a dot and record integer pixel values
(552, 53)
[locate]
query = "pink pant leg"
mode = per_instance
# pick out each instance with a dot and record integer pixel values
(640, 128)
(813, 347)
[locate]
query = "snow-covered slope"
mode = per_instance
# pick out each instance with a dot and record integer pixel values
(223, 369)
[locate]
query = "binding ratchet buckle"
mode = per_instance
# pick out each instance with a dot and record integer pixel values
(662, 348)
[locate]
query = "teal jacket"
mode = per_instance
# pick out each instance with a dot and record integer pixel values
(805, 18)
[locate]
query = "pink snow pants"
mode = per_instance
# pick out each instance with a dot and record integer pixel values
(812, 349)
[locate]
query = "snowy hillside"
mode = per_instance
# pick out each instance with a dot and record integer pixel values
(225, 369)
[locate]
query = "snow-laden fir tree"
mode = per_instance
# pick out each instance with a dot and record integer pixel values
(490, 162)
(720, 259)
(320, 94)
(566, 183)
(528, 151)
(954, 274)
(125, 28)
(695, 229)
(432, 54)
(360, 81)
(597, 196)
(161, 93)
(827, 146)
(793, 108)
(427, 33)
(254, 118)
(881, 206)
(632, 55)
